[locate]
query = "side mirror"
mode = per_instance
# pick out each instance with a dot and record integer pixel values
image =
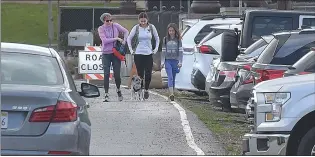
(89, 90)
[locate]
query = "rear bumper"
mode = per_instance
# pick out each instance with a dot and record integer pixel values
(67, 137)
(265, 144)
(240, 96)
(198, 80)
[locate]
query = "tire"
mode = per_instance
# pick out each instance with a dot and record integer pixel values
(307, 143)
(229, 43)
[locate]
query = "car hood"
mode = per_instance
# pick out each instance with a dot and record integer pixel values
(285, 83)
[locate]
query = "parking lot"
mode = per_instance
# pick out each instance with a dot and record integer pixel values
(245, 87)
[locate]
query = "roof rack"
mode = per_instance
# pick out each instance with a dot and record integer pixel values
(211, 17)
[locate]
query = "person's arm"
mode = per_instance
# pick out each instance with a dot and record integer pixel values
(163, 52)
(105, 40)
(124, 30)
(181, 51)
(157, 39)
(130, 37)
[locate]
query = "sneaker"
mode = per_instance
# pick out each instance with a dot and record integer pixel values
(120, 97)
(171, 97)
(146, 94)
(106, 98)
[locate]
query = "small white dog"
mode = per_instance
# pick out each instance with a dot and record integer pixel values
(136, 92)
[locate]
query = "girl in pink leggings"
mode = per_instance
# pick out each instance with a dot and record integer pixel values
(171, 56)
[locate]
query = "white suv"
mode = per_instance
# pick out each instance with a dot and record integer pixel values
(192, 36)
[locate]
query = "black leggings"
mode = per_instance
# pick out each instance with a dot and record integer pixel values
(144, 64)
(108, 60)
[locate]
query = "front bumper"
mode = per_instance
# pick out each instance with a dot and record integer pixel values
(265, 144)
(198, 80)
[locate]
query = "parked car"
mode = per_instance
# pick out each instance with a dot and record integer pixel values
(206, 51)
(285, 49)
(305, 65)
(224, 73)
(192, 37)
(42, 112)
(281, 116)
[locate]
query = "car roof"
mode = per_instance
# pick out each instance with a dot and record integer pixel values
(227, 26)
(25, 49)
(273, 11)
(298, 31)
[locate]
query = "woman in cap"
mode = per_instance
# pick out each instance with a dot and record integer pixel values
(143, 33)
(109, 33)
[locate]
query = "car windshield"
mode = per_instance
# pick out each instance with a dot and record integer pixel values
(27, 69)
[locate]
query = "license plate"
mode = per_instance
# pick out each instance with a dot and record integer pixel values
(4, 120)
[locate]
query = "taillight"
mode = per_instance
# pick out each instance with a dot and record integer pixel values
(230, 75)
(247, 67)
(204, 49)
(64, 112)
(265, 75)
(207, 50)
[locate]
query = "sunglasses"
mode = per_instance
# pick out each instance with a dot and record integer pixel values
(108, 20)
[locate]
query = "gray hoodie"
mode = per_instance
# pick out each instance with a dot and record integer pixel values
(172, 49)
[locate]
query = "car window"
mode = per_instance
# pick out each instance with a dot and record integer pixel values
(259, 43)
(27, 69)
(268, 25)
(185, 30)
(214, 33)
(202, 33)
(293, 50)
(308, 22)
(69, 76)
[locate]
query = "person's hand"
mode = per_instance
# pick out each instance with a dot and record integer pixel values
(119, 39)
(179, 65)
(155, 51)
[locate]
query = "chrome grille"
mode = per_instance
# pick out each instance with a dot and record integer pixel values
(250, 112)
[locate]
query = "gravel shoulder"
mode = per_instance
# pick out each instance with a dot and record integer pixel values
(227, 127)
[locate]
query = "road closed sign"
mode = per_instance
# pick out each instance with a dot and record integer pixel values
(90, 62)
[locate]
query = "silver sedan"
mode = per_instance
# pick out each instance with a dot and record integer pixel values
(42, 113)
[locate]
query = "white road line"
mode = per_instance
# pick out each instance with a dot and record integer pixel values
(185, 123)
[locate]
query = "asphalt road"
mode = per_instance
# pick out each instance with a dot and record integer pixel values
(151, 127)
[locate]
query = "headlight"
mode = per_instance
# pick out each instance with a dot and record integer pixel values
(277, 100)
(280, 98)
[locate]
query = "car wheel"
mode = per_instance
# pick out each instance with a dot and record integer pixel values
(307, 144)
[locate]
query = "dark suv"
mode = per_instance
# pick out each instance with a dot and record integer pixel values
(285, 49)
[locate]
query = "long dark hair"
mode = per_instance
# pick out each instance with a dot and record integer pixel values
(143, 15)
(177, 34)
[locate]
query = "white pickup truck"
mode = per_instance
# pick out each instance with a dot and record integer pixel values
(282, 117)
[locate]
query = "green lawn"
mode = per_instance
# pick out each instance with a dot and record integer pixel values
(28, 23)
